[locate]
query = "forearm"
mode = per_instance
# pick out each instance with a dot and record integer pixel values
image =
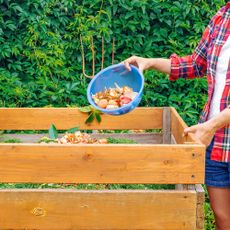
(220, 120)
(160, 64)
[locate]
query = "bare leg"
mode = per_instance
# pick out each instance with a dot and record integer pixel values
(220, 204)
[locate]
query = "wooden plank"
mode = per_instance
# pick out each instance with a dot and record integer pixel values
(166, 125)
(173, 140)
(137, 163)
(200, 202)
(140, 138)
(63, 209)
(184, 187)
(200, 207)
(177, 128)
(65, 118)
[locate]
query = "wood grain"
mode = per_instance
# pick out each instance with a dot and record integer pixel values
(62, 210)
(42, 163)
(177, 128)
(65, 118)
(200, 216)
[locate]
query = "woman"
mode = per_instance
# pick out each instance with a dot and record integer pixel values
(211, 58)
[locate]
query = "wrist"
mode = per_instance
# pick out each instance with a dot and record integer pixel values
(213, 124)
(220, 120)
(151, 63)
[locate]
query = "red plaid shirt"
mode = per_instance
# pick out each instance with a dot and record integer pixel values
(204, 62)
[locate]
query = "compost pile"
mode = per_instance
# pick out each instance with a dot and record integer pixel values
(80, 138)
(114, 98)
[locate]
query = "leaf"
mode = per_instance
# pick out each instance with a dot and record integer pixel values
(10, 25)
(72, 130)
(90, 118)
(53, 133)
(98, 116)
(85, 109)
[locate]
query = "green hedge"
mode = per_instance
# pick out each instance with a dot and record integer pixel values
(40, 52)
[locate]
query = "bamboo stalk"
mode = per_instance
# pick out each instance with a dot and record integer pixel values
(83, 58)
(102, 53)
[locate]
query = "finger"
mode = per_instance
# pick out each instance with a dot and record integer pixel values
(127, 66)
(186, 131)
(189, 130)
(129, 61)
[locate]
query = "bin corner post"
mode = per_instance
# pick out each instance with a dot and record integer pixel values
(166, 125)
(200, 207)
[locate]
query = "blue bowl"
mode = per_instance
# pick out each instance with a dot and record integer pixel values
(107, 78)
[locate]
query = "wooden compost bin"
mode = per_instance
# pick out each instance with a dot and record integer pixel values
(162, 158)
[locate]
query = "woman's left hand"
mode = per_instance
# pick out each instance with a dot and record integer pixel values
(202, 132)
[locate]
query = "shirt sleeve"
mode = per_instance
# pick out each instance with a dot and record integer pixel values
(194, 65)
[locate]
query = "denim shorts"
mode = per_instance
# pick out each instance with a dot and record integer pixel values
(217, 174)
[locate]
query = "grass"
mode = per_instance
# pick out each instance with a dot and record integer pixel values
(3, 139)
(85, 186)
(209, 217)
(112, 140)
(12, 140)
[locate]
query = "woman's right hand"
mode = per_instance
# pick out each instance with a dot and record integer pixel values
(140, 62)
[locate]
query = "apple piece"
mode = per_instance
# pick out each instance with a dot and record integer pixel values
(102, 103)
(131, 95)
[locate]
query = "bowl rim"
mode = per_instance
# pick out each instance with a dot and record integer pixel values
(109, 111)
